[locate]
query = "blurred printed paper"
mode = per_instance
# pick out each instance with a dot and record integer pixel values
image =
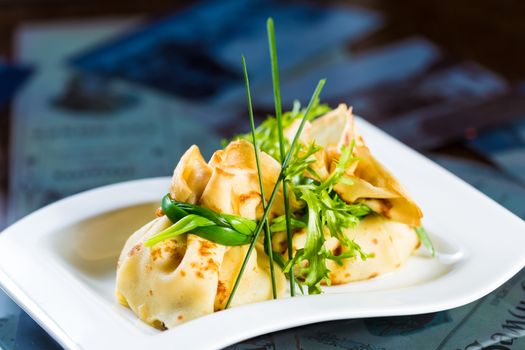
(196, 52)
(11, 78)
(74, 131)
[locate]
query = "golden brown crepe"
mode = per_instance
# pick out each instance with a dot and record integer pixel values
(390, 242)
(233, 187)
(190, 176)
(187, 276)
(372, 183)
(389, 234)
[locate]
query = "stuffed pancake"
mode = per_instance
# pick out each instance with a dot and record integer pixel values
(300, 202)
(190, 275)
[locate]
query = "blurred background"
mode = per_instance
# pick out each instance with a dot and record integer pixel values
(96, 92)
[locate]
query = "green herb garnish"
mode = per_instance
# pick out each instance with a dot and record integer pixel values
(279, 224)
(304, 157)
(223, 229)
(423, 237)
(267, 132)
(325, 210)
(280, 134)
(343, 163)
(268, 234)
(275, 190)
(322, 213)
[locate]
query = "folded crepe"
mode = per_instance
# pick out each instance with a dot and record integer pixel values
(371, 182)
(187, 276)
(387, 235)
(389, 242)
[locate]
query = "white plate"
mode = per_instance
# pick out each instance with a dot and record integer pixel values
(59, 263)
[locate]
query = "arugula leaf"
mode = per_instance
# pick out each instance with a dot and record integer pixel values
(279, 224)
(313, 250)
(338, 215)
(303, 157)
(345, 160)
(326, 209)
(267, 133)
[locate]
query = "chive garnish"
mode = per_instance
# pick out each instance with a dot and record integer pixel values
(280, 179)
(229, 230)
(326, 211)
(268, 238)
(325, 208)
(423, 237)
(278, 116)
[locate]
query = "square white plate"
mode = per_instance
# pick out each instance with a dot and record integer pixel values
(59, 263)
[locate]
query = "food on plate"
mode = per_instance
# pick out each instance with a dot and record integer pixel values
(187, 276)
(300, 202)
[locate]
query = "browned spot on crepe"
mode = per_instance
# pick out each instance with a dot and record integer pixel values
(155, 253)
(248, 196)
(136, 248)
(337, 250)
(205, 247)
(222, 294)
(171, 247)
(211, 265)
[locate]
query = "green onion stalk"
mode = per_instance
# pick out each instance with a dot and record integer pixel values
(278, 116)
(268, 236)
